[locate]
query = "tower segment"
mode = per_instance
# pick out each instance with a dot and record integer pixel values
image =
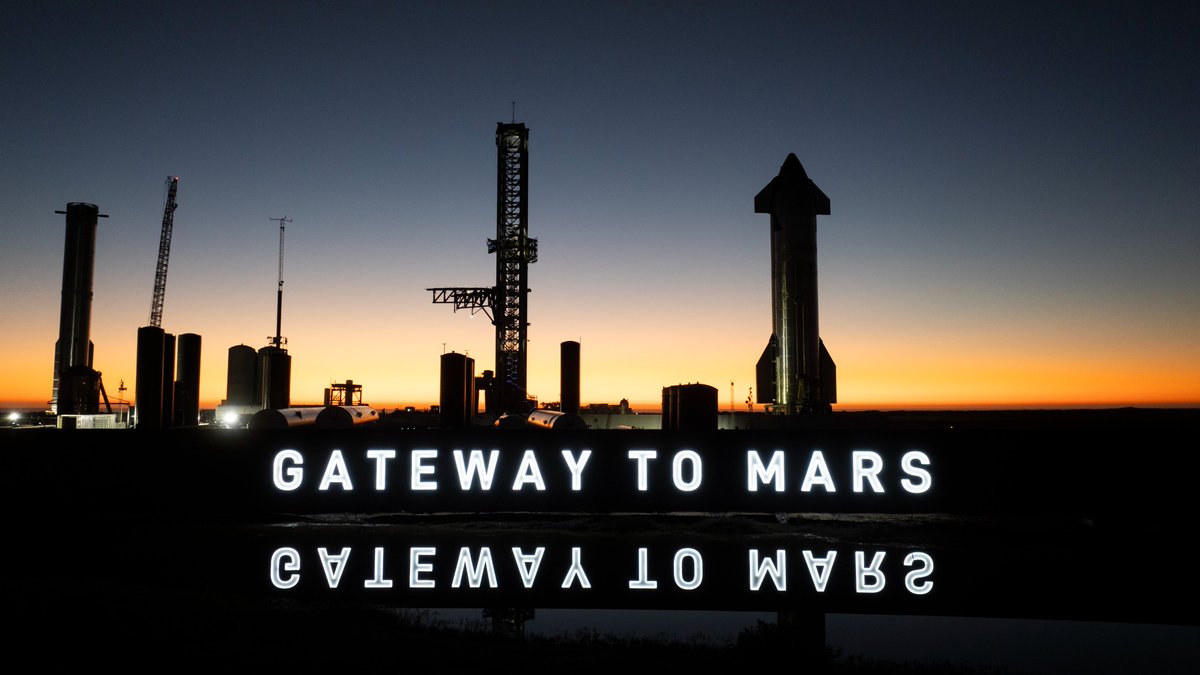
(514, 251)
(506, 303)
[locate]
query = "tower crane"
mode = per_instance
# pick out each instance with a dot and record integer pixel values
(164, 253)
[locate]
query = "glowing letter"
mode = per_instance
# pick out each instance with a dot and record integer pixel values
(867, 464)
(576, 571)
(697, 569)
(756, 472)
(378, 581)
(641, 456)
(759, 571)
(419, 468)
(817, 473)
(475, 467)
(528, 564)
(861, 570)
(819, 569)
(333, 565)
(381, 457)
(291, 564)
(335, 472)
(576, 467)
(677, 470)
(529, 473)
(643, 582)
(416, 567)
(908, 465)
(294, 475)
(474, 572)
(910, 579)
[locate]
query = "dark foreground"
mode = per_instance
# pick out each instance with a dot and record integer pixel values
(157, 553)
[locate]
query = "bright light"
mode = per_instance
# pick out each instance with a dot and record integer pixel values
(13, 417)
(230, 419)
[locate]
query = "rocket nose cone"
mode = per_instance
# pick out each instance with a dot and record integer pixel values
(792, 168)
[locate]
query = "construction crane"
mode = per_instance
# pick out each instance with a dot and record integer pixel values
(164, 253)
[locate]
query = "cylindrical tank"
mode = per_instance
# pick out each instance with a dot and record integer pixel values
(510, 421)
(168, 377)
(283, 418)
(696, 407)
(275, 370)
(345, 416)
(72, 350)
(457, 395)
(553, 419)
(79, 255)
(568, 395)
(147, 388)
(670, 414)
(242, 381)
(187, 380)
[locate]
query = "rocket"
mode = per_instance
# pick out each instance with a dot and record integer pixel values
(76, 386)
(795, 372)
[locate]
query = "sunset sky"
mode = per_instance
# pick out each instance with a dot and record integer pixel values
(1015, 189)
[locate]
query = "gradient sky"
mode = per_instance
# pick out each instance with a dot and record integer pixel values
(1015, 189)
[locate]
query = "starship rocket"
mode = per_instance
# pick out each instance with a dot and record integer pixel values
(795, 372)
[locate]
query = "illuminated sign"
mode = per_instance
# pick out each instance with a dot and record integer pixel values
(474, 473)
(553, 475)
(430, 566)
(765, 570)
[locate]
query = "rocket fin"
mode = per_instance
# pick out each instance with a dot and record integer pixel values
(828, 375)
(764, 373)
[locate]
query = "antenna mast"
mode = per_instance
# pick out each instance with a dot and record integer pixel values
(278, 341)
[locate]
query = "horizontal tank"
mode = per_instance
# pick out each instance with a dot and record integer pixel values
(345, 416)
(553, 419)
(284, 418)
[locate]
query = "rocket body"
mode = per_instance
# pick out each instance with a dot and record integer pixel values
(794, 202)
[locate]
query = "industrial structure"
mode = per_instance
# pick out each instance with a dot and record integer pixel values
(506, 303)
(161, 399)
(77, 387)
(164, 253)
(795, 373)
(275, 364)
(568, 377)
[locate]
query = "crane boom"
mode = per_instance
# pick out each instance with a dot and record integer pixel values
(164, 253)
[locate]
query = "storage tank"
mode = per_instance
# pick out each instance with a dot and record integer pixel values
(187, 381)
(457, 394)
(553, 419)
(242, 381)
(668, 408)
(168, 380)
(284, 418)
(147, 388)
(275, 376)
(696, 407)
(345, 416)
(568, 396)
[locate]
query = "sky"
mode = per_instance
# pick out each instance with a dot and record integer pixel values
(1013, 187)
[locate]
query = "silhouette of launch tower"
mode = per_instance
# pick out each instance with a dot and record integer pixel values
(506, 303)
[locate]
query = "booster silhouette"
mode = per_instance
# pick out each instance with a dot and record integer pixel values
(795, 371)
